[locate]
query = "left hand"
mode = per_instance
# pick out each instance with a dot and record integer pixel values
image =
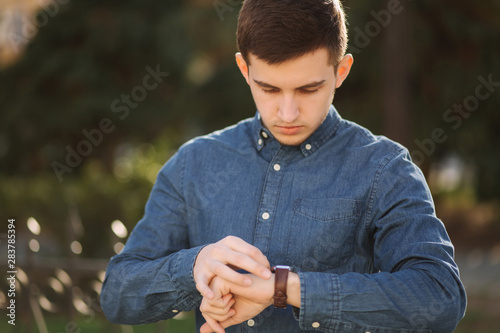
(248, 302)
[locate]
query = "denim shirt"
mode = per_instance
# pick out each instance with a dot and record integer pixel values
(347, 209)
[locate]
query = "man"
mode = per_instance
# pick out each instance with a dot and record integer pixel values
(346, 213)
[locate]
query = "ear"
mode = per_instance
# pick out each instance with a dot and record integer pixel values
(242, 65)
(343, 69)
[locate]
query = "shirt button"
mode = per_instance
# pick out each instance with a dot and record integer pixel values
(264, 135)
(260, 142)
(315, 324)
(308, 147)
(266, 216)
(175, 311)
(277, 167)
(251, 322)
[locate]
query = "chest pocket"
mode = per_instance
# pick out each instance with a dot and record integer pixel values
(323, 232)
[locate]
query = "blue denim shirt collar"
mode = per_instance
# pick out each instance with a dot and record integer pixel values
(263, 137)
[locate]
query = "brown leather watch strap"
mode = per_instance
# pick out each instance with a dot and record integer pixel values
(280, 285)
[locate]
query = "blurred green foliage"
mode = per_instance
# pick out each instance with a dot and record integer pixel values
(99, 324)
(93, 52)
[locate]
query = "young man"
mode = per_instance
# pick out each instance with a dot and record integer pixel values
(346, 213)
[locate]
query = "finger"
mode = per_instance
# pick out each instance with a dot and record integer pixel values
(203, 288)
(212, 307)
(229, 322)
(220, 303)
(239, 245)
(248, 264)
(213, 311)
(229, 275)
(226, 299)
(220, 317)
(206, 308)
(205, 328)
(213, 325)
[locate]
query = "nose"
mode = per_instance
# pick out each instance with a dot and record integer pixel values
(288, 109)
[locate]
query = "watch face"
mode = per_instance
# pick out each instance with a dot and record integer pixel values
(282, 267)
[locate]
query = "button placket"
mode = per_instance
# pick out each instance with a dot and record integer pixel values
(269, 198)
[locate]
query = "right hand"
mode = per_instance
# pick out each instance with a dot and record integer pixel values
(216, 259)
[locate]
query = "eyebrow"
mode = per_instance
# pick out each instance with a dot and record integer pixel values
(314, 84)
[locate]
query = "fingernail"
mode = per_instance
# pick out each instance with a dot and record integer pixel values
(247, 282)
(266, 274)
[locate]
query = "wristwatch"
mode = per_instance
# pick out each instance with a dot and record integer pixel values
(280, 284)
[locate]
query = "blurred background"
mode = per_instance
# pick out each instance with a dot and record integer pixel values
(96, 95)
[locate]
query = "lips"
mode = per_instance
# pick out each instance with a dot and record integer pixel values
(288, 130)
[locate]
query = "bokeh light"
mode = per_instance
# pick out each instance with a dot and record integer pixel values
(62, 276)
(118, 247)
(76, 247)
(119, 229)
(34, 226)
(34, 245)
(22, 277)
(56, 285)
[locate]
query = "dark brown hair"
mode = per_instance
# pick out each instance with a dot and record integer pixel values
(279, 30)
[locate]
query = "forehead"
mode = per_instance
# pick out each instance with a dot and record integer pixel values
(311, 67)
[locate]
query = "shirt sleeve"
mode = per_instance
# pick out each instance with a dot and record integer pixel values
(152, 278)
(416, 287)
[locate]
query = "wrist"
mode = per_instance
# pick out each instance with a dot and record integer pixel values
(293, 290)
(281, 273)
(270, 294)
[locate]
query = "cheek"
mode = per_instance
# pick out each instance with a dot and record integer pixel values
(318, 100)
(315, 108)
(324, 100)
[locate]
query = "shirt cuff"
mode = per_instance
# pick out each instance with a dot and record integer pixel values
(319, 301)
(183, 277)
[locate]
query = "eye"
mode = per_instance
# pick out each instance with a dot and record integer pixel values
(270, 91)
(306, 91)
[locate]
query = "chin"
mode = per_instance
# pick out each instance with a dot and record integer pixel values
(291, 141)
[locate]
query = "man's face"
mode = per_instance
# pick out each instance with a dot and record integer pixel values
(293, 98)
